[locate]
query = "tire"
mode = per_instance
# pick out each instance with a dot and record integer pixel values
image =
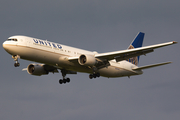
(68, 80)
(98, 75)
(90, 76)
(64, 81)
(60, 81)
(94, 75)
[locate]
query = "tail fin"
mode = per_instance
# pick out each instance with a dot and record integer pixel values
(137, 42)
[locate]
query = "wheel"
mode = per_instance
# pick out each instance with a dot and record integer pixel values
(60, 81)
(68, 80)
(94, 75)
(16, 64)
(90, 76)
(64, 81)
(98, 75)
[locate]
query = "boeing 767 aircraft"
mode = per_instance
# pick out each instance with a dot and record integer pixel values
(70, 60)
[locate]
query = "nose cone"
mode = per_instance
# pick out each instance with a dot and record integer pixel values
(5, 45)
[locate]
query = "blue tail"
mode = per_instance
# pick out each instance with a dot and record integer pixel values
(137, 42)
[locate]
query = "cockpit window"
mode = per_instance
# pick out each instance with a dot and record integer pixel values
(12, 40)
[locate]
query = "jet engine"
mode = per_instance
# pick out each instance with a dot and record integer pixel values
(87, 60)
(36, 69)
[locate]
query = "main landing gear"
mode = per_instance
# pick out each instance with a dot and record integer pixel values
(61, 81)
(15, 57)
(64, 80)
(91, 76)
(95, 73)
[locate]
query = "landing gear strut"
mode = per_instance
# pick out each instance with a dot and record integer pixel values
(15, 57)
(64, 80)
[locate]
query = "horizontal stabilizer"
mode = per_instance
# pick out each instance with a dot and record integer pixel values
(150, 66)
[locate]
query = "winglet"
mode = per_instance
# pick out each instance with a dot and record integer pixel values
(174, 42)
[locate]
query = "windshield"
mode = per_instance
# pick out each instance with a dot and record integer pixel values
(11, 39)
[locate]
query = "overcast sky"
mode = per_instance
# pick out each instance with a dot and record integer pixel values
(94, 25)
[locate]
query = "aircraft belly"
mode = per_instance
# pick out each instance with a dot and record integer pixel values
(111, 72)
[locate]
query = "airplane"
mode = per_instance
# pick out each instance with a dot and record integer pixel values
(51, 57)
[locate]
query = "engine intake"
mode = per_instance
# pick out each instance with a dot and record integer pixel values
(87, 60)
(36, 69)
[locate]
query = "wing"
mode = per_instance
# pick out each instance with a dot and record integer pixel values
(50, 68)
(53, 69)
(126, 54)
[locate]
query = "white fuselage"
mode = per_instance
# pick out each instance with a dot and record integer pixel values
(55, 54)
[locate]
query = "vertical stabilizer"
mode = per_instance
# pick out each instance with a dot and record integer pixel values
(137, 42)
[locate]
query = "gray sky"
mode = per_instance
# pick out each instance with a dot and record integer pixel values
(94, 25)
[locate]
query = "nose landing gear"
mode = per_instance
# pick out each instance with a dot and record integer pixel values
(15, 57)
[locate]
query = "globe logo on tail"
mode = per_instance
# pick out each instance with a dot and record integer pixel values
(133, 60)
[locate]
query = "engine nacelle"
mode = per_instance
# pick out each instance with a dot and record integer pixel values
(36, 69)
(87, 60)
